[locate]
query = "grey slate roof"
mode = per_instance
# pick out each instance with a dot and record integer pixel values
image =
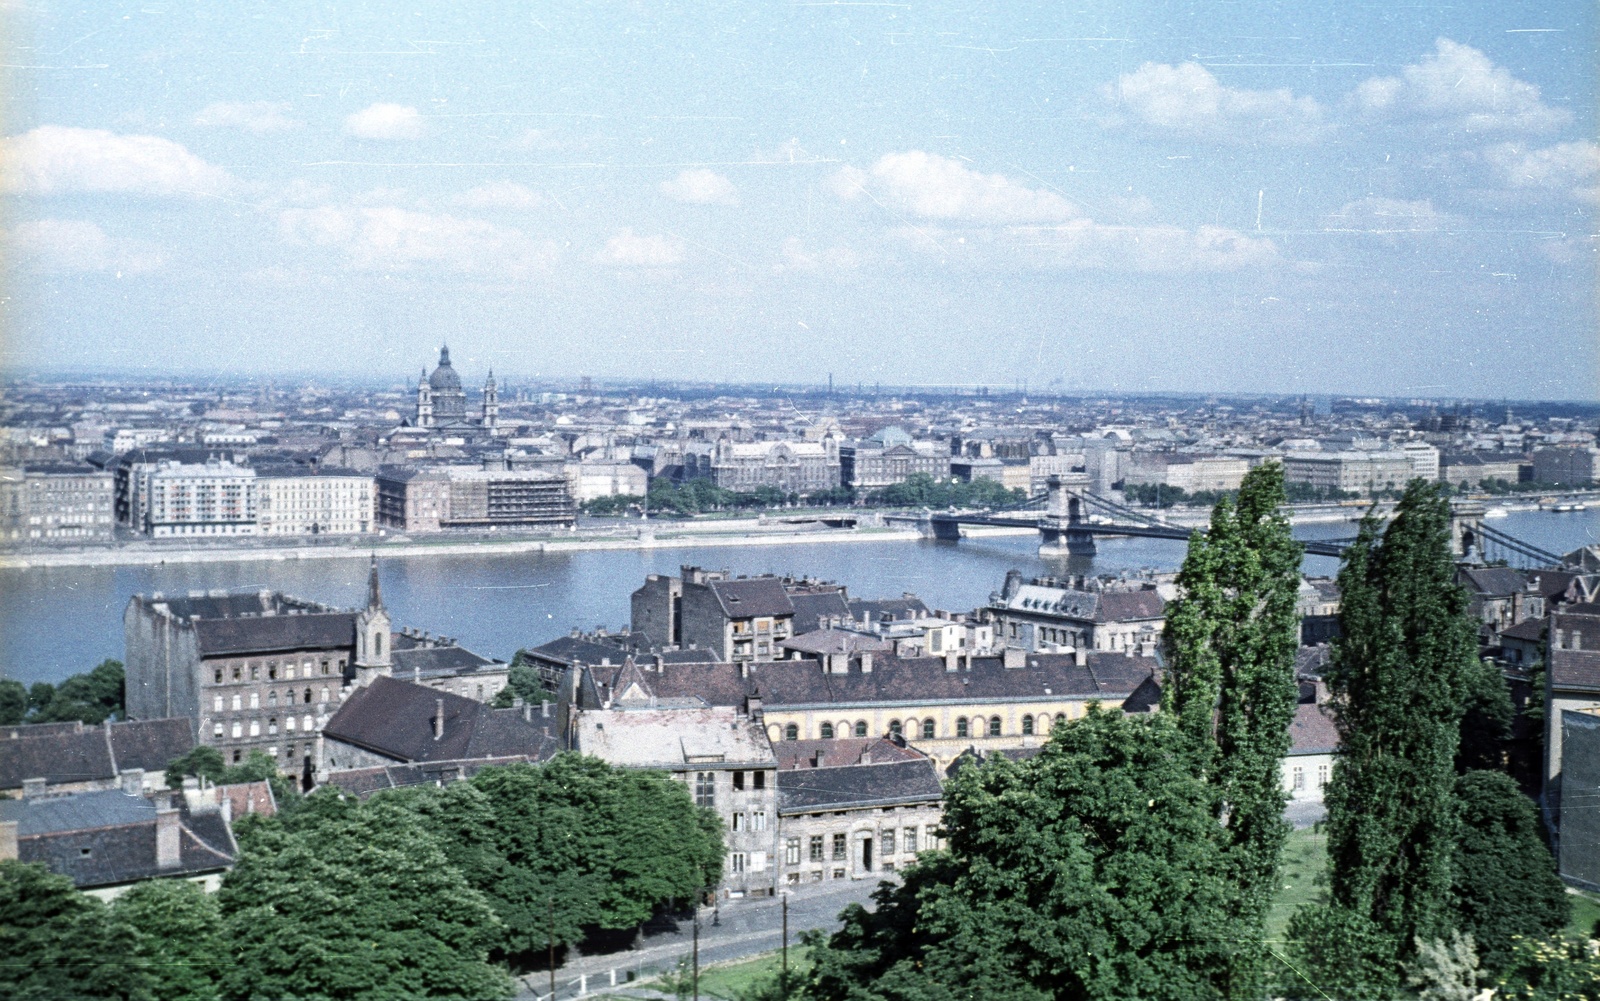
(752, 596)
(394, 719)
(808, 790)
(437, 661)
(578, 650)
(784, 684)
(840, 751)
(325, 631)
(62, 753)
(1311, 661)
(811, 608)
(1312, 731)
(877, 610)
(836, 641)
(1493, 581)
(364, 782)
(107, 838)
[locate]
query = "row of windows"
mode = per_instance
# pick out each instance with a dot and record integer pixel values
(821, 848)
(289, 699)
(755, 821)
(238, 671)
(238, 727)
(1298, 777)
(927, 729)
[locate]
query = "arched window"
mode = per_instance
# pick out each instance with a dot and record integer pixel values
(1060, 719)
(894, 727)
(961, 726)
(827, 731)
(791, 732)
(927, 729)
(861, 728)
(308, 696)
(272, 698)
(994, 726)
(1027, 726)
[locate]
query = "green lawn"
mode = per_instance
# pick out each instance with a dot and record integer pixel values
(1305, 862)
(727, 980)
(1585, 913)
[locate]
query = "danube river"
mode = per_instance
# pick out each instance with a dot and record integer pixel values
(58, 621)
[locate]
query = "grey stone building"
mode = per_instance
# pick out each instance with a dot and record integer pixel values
(720, 753)
(854, 809)
(790, 466)
(74, 757)
(737, 618)
(435, 498)
(1050, 614)
(56, 502)
(869, 465)
(1579, 841)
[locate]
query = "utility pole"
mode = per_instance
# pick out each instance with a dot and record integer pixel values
(552, 949)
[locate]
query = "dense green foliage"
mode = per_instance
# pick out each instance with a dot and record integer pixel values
(1162, 496)
(57, 944)
(1551, 969)
(1486, 717)
(922, 490)
(1505, 882)
(13, 702)
(207, 763)
(92, 697)
(1231, 641)
(175, 924)
(612, 505)
(1398, 676)
(353, 900)
(603, 846)
(1090, 871)
(522, 682)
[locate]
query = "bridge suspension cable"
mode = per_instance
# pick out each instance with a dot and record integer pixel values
(1513, 545)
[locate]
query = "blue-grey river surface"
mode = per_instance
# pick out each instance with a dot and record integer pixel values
(57, 621)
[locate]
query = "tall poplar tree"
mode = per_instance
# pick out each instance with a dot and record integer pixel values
(1398, 678)
(1231, 642)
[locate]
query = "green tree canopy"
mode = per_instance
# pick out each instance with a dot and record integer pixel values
(175, 924)
(92, 697)
(1505, 880)
(339, 899)
(13, 702)
(1231, 639)
(1399, 676)
(57, 944)
(1091, 871)
(605, 846)
(522, 682)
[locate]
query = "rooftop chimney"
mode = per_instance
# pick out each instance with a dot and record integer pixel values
(169, 844)
(133, 781)
(1014, 657)
(33, 787)
(438, 719)
(544, 708)
(8, 840)
(1080, 656)
(866, 662)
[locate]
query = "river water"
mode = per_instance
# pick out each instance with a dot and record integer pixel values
(58, 621)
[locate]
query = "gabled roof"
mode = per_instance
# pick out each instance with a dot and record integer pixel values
(807, 790)
(752, 596)
(841, 751)
(812, 608)
(1312, 731)
(1493, 581)
(395, 719)
(438, 661)
(107, 838)
(836, 641)
(63, 753)
(578, 650)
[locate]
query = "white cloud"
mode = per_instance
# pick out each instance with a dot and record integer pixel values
(1459, 84)
(78, 245)
(629, 249)
(58, 159)
(937, 187)
(252, 116)
(700, 186)
(385, 121)
(1572, 168)
(392, 238)
(500, 195)
(1083, 244)
(1188, 99)
(1387, 216)
(796, 256)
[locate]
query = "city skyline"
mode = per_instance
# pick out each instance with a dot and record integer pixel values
(1252, 201)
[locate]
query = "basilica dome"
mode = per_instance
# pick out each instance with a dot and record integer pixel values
(444, 378)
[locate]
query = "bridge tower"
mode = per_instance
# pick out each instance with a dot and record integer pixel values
(1466, 517)
(1061, 530)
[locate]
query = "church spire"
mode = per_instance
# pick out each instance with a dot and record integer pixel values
(374, 593)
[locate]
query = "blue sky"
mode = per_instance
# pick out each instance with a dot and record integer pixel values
(1299, 197)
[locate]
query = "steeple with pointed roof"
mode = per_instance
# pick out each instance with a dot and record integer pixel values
(373, 639)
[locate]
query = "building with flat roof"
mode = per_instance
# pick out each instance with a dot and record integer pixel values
(56, 502)
(199, 499)
(301, 500)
